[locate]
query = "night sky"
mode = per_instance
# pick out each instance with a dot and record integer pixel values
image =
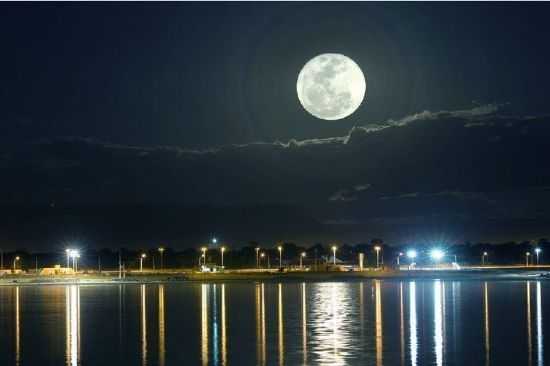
(135, 124)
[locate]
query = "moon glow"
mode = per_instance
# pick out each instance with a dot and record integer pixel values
(331, 86)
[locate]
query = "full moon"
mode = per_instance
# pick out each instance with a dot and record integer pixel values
(331, 86)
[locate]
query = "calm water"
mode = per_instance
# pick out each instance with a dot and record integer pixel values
(340, 323)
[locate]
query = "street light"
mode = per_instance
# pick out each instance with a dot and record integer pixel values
(437, 254)
(334, 247)
(222, 249)
(411, 254)
(262, 255)
(203, 256)
(280, 249)
(141, 258)
(537, 252)
(485, 254)
(527, 254)
(399, 256)
(74, 254)
(214, 240)
(161, 251)
(77, 257)
(257, 257)
(377, 249)
(303, 255)
(15, 260)
(68, 252)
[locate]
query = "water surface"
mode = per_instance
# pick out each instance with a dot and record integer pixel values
(327, 323)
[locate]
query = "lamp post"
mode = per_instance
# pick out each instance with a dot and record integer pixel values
(527, 254)
(399, 256)
(483, 258)
(222, 249)
(15, 260)
(257, 257)
(203, 256)
(437, 255)
(411, 254)
(141, 258)
(334, 248)
(74, 254)
(280, 249)
(377, 249)
(161, 251)
(75, 260)
(303, 255)
(537, 252)
(262, 255)
(68, 252)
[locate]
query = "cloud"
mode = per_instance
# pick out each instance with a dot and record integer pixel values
(393, 157)
(463, 196)
(430, 165)
(347, 195)
(467, 114)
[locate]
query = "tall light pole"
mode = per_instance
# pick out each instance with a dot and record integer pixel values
(411, 254)
(161, 251)
(74, 254)
(141, 258)
(203, 256)
(334, 248)
(15, 260)
(303, 255)
(537, 252)
(257, 257)
(68, 252)
(262, 255)
(398, 257)
(377, 249)
(280, 249)
(483, 257)
(527, 254)
(76, 257)
(222, 249)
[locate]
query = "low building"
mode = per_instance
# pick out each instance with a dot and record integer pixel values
(5, 272)
(56, 270)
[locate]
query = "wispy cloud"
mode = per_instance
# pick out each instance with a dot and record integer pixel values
(346, 195)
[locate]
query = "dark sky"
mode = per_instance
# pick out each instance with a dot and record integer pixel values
(135, 123)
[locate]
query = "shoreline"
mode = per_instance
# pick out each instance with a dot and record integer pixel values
(242, 276)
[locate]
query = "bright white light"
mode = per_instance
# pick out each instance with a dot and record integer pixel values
(331, 86)
(537, 250)
(214, 240)
(412, 254)
(437, 254)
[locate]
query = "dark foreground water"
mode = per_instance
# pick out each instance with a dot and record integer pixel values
(339, 323)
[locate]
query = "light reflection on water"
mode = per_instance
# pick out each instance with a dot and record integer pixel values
(529, 340)
(17, 327)
(487, 329)
(72, 295)
(162, 327)
(280, 324)
(438, 296)
(413, 326)
(540, 346)
(331, 323)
